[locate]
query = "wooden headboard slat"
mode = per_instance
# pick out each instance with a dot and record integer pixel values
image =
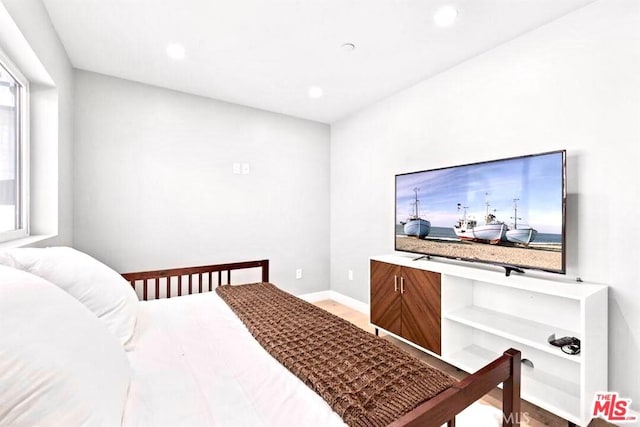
(144, 277)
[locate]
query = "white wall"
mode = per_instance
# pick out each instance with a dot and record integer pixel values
(154, 183)
(572, 84)
(46, 65)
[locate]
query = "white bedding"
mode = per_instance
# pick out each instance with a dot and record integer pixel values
(195, 364)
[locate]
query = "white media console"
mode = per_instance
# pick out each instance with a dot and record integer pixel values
(482, 312)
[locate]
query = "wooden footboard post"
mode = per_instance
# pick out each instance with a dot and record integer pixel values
(511, 392)
(444, 407)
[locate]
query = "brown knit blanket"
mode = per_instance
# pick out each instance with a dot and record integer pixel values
(365, 379)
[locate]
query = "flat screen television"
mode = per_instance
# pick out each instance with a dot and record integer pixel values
(508, 212)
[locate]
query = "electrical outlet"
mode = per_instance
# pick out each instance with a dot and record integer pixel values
(236, 168)
(245, 169)
(350, 274)
(299, 273)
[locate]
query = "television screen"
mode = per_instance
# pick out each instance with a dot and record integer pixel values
(509, 212)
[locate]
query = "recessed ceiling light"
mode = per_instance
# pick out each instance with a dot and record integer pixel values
(445, 16)
(175, 51)
(315, 92)
(348, 46)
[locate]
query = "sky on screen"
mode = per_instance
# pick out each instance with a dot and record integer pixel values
(536, 181)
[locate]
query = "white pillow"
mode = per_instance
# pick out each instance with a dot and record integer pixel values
(99, 288)
(59, 365)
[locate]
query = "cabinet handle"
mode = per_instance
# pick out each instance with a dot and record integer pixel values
(402, 285)
(395, 283)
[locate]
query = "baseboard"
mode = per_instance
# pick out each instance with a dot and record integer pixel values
(353, 303)
(316, 296)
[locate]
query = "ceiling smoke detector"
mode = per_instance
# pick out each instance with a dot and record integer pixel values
(348, 47)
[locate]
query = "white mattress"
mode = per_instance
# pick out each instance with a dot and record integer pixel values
(195, 364)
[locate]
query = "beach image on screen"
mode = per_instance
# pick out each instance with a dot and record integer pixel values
(508, 212)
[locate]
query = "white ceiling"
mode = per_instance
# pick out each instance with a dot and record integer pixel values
(267, 53)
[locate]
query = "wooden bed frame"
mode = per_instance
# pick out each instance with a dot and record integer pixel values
(441, 409)
(189, 277)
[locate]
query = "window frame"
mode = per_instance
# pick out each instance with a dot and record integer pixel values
(22, 153)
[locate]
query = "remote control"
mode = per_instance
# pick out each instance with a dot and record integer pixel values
(560, 342)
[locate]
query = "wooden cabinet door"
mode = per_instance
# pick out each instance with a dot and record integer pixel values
(385, 304)
(421, 309)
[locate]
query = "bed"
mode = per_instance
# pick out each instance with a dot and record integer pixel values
(189, 359)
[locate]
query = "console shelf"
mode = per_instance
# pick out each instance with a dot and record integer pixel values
(563, 393)
(533, 334)
(483, 313)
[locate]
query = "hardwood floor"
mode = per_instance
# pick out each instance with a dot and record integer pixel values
(536, 417)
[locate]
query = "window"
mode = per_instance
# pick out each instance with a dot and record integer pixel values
(13, 153)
